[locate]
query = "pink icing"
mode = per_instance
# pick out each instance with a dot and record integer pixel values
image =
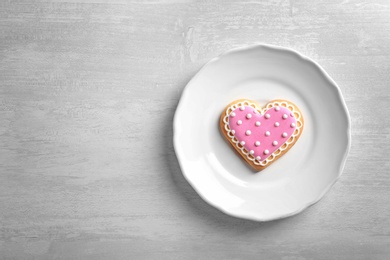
(282, 115)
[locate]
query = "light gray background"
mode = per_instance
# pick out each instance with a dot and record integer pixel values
(88, 91)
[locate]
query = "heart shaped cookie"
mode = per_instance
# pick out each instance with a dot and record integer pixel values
(261, 135)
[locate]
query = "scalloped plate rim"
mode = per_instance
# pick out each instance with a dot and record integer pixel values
(302, 57)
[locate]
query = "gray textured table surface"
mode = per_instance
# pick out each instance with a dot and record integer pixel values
(79, 78)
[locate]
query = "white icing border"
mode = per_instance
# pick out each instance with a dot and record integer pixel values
(275, 154)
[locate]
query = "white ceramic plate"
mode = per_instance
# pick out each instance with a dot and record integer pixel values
(299, 178)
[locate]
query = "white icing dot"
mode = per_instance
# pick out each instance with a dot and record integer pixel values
(285, 116)
(248, 116)
(292, 125)
(232, 114)
(267, 133)
(251, 152)
(266, 151)
(258, 158)
(276, 124)
(248, 132)
(275, 143)
(277, 108)
(257, 143)
(258, 123)
(267, 116)
(239, 122)
(242, 143)
(242, 108)
(233, 132)
(291, 114)
(284, 134)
